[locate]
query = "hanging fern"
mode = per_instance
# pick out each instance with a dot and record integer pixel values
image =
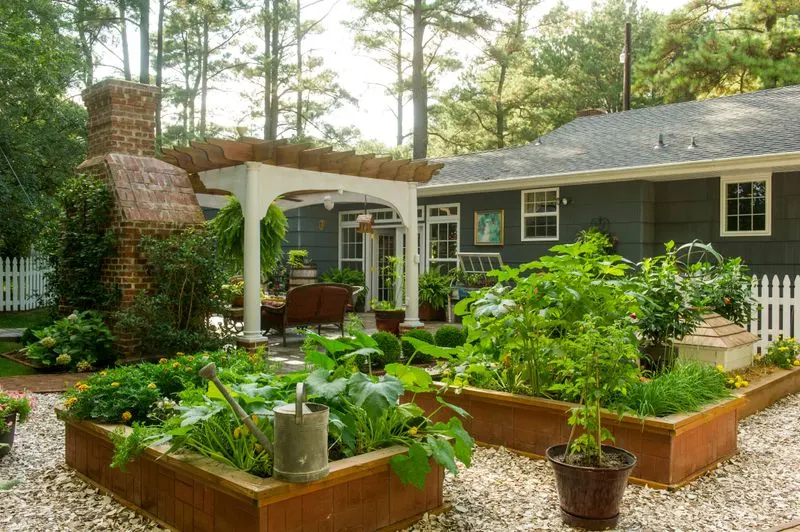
(228, 226)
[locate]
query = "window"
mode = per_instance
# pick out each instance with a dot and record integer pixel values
(351, 243)
(540, 214)
(443, 236)
(745, 206)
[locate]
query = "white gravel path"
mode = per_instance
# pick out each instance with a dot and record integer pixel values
(758, 489)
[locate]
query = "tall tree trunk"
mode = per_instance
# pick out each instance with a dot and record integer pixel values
(298, 125)
(419, 86)
(159, 69)
(267, 71)
(500, 111)
(123, 30)
(144, 41)
(86, 51)
(204, 80)
(274, 65)
(399, 79)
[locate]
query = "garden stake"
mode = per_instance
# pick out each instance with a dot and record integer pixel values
(210, 372)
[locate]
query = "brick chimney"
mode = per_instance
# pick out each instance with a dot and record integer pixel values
(121, 117)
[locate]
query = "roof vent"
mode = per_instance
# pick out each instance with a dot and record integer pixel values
(660, 144)
(538, 141)
(692, 144)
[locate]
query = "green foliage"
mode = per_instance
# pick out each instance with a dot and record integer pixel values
(389, 345)
(434, 288)
(11, 403)
(687, 387)
(228, 227)
(186, 286)
(30, 319)
(80, 341)
(410, 353)
(450, 336)
(298, 257)
(77, 245)
(784, 353)
(346, 276)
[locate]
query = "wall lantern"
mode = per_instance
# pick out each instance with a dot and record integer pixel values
(327, 201)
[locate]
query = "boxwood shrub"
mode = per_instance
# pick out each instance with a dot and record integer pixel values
(451, 336)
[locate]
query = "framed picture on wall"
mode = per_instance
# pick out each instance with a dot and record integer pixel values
(489, 228)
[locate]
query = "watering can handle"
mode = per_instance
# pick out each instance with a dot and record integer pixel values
(300, 398)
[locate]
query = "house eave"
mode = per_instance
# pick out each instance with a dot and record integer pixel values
(773, 162)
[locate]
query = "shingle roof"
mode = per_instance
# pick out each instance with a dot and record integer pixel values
(756, 123)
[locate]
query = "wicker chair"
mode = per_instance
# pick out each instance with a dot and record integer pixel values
(312, 304)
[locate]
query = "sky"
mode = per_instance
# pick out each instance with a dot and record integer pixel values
(358, 74)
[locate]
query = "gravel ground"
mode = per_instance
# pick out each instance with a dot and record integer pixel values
(757, 489)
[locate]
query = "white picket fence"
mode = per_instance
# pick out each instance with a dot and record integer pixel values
(22, 281)
(780, 309)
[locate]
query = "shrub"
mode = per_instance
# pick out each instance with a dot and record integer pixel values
(28, 337)
(17, 403)
(784, 353)
(77, 340)
(434, 289)
(450, 336)
(186, 286)
(389, 344)
(408, 349)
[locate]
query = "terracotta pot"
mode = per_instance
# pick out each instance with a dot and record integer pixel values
(237, 301)
(428, 313)
(8, 437)
(590, 496)
(389, 320)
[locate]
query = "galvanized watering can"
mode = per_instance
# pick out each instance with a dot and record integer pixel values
(301, 440)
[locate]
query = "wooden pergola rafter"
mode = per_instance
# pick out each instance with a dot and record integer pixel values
(214, 154)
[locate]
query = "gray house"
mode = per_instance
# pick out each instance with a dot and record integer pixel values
(725, 171)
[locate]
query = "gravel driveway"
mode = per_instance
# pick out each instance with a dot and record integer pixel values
(757, 489)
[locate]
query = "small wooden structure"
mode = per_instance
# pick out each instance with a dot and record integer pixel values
(720, 342)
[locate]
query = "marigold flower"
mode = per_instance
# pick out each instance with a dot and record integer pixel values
(738, 384)
(126, 416)
(413, 431)
(71, 401)
(176, 365)
(115, 384)
(162, 361)
(720, 368)
(103, 373)
(796, 362)
(745, 384)
(190, 358)
(727, 300)
(783, 348)
(237, 432)
(82, 387)
(179, 353)
(152, 386)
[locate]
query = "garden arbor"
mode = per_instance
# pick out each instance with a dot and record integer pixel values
(260, 172)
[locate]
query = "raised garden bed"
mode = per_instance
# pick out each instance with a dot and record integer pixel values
(194, 493)
(671, 451)
(766, 390)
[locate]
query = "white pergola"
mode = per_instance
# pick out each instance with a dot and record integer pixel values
(260, 172)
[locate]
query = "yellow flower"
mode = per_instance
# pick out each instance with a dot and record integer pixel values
(190, 358)
(103, 373)
(176, 364)
(413, 431)
(188, 369)
(152, 386)
(162, 361)
(71, 401)
(115, 384)
(720, 368)
(236, 433)
(179, 353)
(783, 348)
(745, 384)
(82, 387)
(796, 362)
(730, 381)
(126, 416)
(738, 384)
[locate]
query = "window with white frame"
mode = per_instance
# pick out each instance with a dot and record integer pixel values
(745, 205)
(442, 231)
(540, 214)
(351, 243)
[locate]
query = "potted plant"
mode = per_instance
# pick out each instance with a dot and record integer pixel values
(302, 271)
(600, 360)
(14, 407)
(434, 289)
(234, 292)
(388, 315)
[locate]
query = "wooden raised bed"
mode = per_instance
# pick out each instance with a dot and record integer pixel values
(768, 390)
(194, 493)
(671, 451)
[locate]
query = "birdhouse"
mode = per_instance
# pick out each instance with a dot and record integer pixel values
(719, 342)
(364, 222)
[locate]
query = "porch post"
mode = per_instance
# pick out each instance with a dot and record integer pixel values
(412, 260)
(252, 256)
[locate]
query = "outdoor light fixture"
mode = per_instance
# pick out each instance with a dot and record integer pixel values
(564, 201)
(327, 201)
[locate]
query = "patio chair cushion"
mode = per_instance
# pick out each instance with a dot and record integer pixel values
(312, 304)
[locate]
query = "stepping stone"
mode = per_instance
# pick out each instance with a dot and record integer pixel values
(11, 335)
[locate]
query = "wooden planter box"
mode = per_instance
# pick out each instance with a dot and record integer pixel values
(671, 451)
(192, 492)
(764, 392)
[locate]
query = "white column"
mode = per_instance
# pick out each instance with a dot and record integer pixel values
(412, 260)
(252, 255)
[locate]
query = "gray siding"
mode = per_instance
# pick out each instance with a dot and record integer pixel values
(315, 229)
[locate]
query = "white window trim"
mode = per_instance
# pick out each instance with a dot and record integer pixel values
(523, 215)
(433, 219)
(723, 203)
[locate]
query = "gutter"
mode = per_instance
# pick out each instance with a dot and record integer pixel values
(773, 162)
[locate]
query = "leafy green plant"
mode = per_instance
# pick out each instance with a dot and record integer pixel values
(13, 402)
(228, 228)
(384, 305)
(434, 289)
(77, 245)
(687, 387)
(410, 353)
(298, 258)
(389, 346)
(450, 336)
(187, 282)
(346, 276)
(392, 271)
(79, 339)
(784, 353)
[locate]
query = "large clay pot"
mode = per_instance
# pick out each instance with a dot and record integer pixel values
(8, 437)
(428, 313)
(389, 320)
(590, 496)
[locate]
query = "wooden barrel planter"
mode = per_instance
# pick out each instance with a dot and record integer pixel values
(194, 493)
(302, 276)
(671, 451)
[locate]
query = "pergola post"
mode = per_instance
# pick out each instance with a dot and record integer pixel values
(252, 256)
(412, 260)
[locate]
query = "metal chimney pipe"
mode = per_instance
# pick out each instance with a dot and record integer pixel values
(626, 78)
